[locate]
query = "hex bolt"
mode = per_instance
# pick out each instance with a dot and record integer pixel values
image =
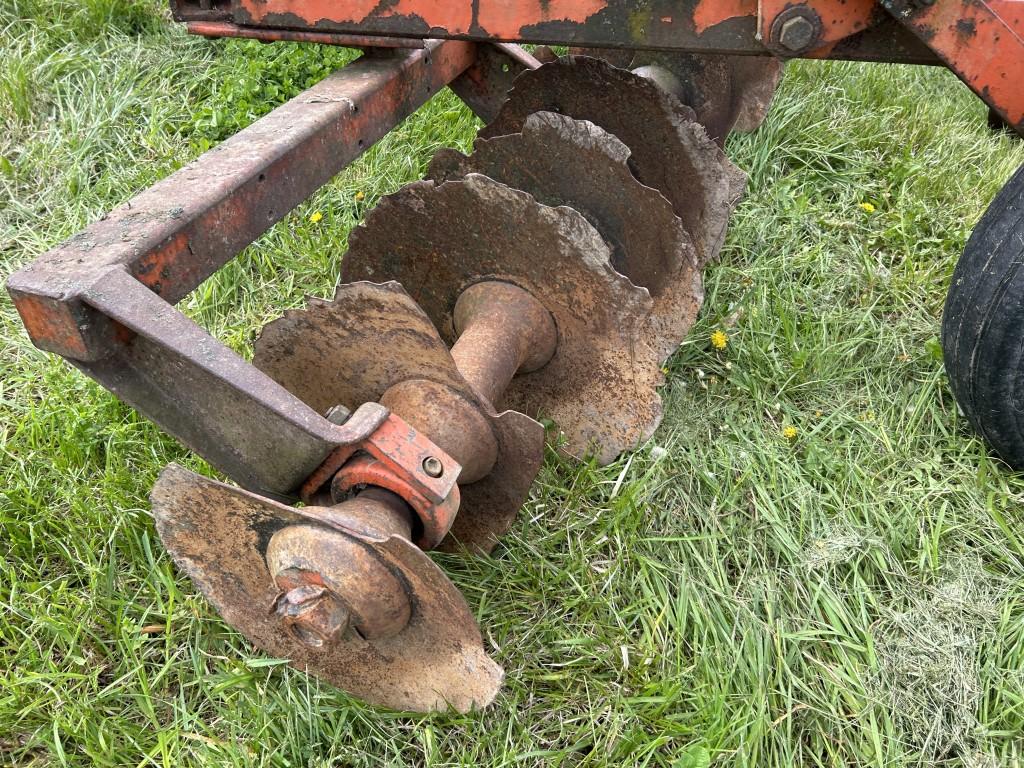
(797, 34)
(313, 615)
(433, 466)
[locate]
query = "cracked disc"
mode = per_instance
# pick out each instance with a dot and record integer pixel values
(218, 534)
(437, 240)
(368, 339)
(670, 151)
(562, 161)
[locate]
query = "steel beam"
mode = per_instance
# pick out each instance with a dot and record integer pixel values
(103, 298)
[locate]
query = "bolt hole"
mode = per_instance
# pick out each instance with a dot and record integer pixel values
(262, 177)
(359, 143)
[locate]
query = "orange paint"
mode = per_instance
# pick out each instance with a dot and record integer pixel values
(710, 13)
(1011, 12)
(982, 48)
(397, 452)
(505, 19)
(455, 17)
(51, 325)
(502, 20)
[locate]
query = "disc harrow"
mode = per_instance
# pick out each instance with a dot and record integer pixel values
(542, 278)
(546, 275)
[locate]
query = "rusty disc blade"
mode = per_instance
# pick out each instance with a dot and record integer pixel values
(600, 386)
(755, 81)
(373, 336)
(353, 349)
(670, 151)
(562, 161)
(726, 92)
(218, 535)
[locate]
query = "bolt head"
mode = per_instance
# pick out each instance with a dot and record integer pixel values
(312, 614)
(797, 34)
(337, 414)
(433, 466)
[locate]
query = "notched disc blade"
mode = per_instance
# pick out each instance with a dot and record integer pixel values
(755, 81)
(726, 92)
(440, 239)
(670, 151)
(562, 161)
(218, 534)
(351, 350)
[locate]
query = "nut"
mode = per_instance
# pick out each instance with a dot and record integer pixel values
(337, 414)
(313, 615)
(797, 34)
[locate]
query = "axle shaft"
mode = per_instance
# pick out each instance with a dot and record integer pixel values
(503, 330)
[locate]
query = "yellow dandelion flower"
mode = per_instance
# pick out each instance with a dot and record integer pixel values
(790, 432)
(868, 207)
(360, 196)
(316, 216)
(719, 339)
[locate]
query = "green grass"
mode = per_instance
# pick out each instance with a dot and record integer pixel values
(723, 596)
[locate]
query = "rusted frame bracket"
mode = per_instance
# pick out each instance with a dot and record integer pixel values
(982, 41)
(103, 299)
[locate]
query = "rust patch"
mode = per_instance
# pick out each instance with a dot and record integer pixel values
(966, 28)
(562, 161)
(218, 535)
(366, 343)
(669, 151)
(600, 386)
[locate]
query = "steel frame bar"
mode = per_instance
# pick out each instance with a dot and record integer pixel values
(103, 299)
(982, 41)
(218, 29)
(718, 26)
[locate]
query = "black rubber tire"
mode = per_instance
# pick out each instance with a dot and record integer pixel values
(983, 325)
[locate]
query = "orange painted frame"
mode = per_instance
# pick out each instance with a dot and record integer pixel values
(982, 41)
